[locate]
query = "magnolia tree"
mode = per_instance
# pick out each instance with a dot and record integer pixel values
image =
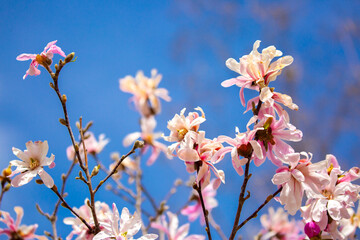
(321, 191)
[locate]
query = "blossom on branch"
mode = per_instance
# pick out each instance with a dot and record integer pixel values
(146, 92)
(121, 227)
(40, 59)
(149, 137)
(255, 69)
(172, 229)
(16, 231)
(33, 161)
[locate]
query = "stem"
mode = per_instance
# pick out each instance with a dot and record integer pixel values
(242, 200)
(268, 199)
(116, 167)
(205, 212)
(54, 189)
(138, 199)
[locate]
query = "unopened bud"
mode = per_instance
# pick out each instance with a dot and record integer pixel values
(69, 57)
(95, 171)
(39, 181)
(6, 172)
(64, 98)
(62, 121)
(52, 85)
(7, 187)
(138, 144)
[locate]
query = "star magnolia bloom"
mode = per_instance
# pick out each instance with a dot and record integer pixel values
(271, 137)
(172, 229)
(92, 145)
(43, 58)
(146, 92)
(194, 211)
(14, 230)
(180, 125)
(200, 151)
(242, 147)
(276, 225)
(128, 227)
(148, 136)
(255, 69)
(79, 229)
(301, 174)
(32, 163)
(331, 201)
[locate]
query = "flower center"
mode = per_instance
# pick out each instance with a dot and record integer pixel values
(245, 150)
(34, 163)
(148, 138)
(182, 133)
(326, 193)
(265, 135)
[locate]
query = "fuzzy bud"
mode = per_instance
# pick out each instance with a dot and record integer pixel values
(312, 229)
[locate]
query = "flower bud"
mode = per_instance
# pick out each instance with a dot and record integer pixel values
(6, 172)
(312, 229)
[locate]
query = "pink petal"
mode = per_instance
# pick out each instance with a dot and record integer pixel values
(25, 57)
(46, 178)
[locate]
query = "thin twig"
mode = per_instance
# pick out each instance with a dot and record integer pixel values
(54, 189)
(242, 200)
(136, 145)
(268, 199)
(205, 212)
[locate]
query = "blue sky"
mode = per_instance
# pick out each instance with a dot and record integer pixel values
(188, 42)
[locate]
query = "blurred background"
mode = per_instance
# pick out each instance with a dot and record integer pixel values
(188, 42)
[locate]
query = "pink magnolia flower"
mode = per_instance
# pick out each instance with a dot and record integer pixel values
(312, 229)
(43, 58)
(92, 146)
(198, 154)
(172, 229)
(255, 69)
(300, 174)
(194, 211)
(14, 230)
(149, 137)
(32, 163)
(330, 204)
(276, 225)
(122, 227)
(79, 229)
(243, 147)
(146, 92)
(180, 125)
(271, 135)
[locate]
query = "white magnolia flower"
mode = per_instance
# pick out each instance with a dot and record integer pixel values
(33, 159)
(122, 227)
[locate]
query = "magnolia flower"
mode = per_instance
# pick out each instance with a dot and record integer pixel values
(301, 174)
(148, 136)
(43, 58)
(180, 125)
(244, 147)
(32, 163)
(331, 202)
(276, 225)
(146, 92)
(255, 69)
(198, 154)
(92, 146)
(122, 227)
(14, 230)
(194, 211)
(270, 136)
(172, 229)
(79, 229)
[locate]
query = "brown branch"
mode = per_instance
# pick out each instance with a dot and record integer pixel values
(242, 200)
(54, 189)
(268, 199)
(205, 212)
(137, 144)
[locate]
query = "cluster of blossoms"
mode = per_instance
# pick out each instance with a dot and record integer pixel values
(331, 195)
(146, 99)
(113, 225)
